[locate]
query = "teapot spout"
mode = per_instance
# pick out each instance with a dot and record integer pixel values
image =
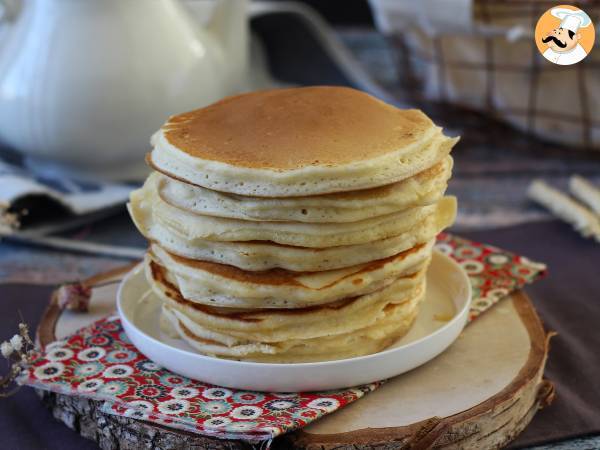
(229, 25)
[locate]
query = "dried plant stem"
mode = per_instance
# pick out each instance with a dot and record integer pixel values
(19, 352)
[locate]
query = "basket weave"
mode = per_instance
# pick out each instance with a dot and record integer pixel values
(495, 71)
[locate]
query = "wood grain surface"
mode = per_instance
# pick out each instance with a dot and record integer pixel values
(492, 423)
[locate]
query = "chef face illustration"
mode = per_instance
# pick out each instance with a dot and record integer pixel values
(562, 41)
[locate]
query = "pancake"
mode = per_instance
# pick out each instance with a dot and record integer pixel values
(192, 226)
(394, 322)
(213, 284)
(275, 325)
(297, 142)
(267, 255)
(422, 189)
(293, 225)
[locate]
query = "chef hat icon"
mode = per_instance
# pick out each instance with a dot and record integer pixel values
(571, 19)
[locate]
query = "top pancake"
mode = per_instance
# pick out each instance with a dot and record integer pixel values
(291, 142)
(288, 129)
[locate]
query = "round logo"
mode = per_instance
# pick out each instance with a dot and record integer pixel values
(564, 35)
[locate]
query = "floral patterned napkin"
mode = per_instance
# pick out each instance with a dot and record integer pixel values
(494, 273)
(100, 362)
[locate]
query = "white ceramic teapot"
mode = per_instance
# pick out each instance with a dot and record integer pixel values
(84, 83)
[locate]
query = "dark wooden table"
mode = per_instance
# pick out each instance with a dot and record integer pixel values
(567, 301)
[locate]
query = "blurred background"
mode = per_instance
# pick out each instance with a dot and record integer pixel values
(84, 84)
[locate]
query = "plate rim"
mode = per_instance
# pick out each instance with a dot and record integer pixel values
(458, 316)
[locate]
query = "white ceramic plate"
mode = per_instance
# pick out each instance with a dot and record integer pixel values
(442, 317)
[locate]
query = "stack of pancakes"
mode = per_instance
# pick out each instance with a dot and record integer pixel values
(293, 225)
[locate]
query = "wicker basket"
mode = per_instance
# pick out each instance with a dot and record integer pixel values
(493, 67)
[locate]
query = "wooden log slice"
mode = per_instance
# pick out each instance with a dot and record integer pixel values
(480, 393)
